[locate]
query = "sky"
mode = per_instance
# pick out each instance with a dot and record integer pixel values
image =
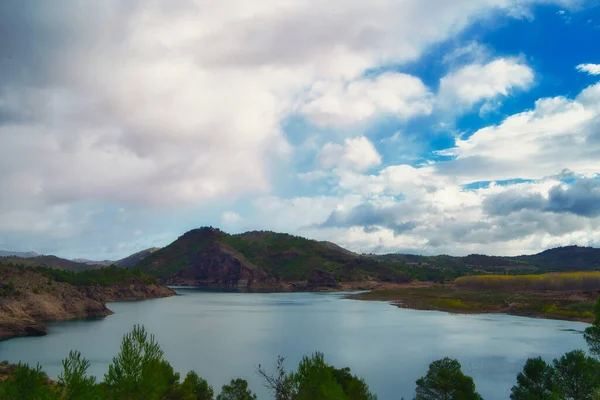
(419, 126)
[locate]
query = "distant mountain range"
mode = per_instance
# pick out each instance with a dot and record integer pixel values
(269, 260)
(132, 260)
(77, 264)
(104, 263)
(49, 262)
(22, 254)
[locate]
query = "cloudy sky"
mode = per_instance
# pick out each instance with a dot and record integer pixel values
(424, 126)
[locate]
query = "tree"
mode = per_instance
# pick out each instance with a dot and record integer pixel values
(592, 333)
(236, 390)
(77, 385)
(139, 370)
(592, 337)
(280, 383)
(159, 382)
(314, 379)
(535, 382)
(577, 376)
(196, 388)
(445, 381)
(26, 383)
(354, 387)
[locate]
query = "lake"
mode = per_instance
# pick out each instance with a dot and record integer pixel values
(226, 335)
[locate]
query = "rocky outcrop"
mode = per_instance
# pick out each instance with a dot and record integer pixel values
(27, 298)
(22, 314)
(133, 289)
(322, 279)
(221, 266)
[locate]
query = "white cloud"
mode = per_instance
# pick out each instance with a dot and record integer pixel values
(173, 105)
(355, 154)
(436, 217)
(467, 86)
(344, 103)
(169, 104)
(296, 214)
(473, 52)
(591, 69)
(557, 134)
(231, 217)
(427, 208)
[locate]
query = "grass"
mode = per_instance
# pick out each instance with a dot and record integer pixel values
(450, 304)
(589, 280)
(574, 305)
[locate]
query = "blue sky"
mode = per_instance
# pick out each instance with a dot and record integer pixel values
(471, 129)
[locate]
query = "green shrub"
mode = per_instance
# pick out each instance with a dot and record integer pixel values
(27, 383)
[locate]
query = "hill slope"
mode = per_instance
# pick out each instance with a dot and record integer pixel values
(211, 257)
(260, 259)
(569, 258)
(130, 261)
(48, 262)
(103, 263)
(22, 254)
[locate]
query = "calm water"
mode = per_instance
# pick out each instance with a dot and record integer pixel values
(226, 335)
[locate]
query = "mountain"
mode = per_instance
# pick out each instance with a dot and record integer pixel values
(132, 260)
(78, 264)
(22, 254)
(333, 246)
(103, 263)
(568, 258)
(49, 262)
(261, 260)
(268, 260)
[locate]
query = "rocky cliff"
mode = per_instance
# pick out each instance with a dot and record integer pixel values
(133, 289)
(27, 298)
(221, 266)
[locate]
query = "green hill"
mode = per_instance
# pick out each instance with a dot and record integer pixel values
(568, 258)
(211, 257)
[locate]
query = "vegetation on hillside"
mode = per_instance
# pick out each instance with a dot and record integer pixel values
(292, 258)
(283, 256)
(140, 372)
(568, 258)
(47, 262)
(105, 276)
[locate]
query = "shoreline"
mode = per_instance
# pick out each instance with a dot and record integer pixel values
(573, 306)
(425, 296)
(29, 316)
(401, 304)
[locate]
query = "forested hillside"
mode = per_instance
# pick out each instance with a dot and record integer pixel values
(208, 256)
